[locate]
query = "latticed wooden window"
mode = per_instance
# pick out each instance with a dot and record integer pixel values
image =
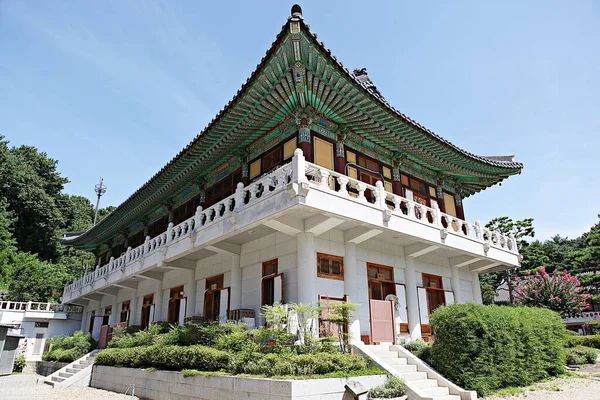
(331, 267)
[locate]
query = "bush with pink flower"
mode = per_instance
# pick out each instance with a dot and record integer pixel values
(559, 291)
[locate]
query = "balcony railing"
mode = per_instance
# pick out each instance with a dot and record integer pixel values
(301, 172)
(38, 306)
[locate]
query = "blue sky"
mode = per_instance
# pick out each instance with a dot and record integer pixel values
(117, 88)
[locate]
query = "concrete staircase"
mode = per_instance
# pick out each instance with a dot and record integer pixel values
(75, 374)
(423, 382)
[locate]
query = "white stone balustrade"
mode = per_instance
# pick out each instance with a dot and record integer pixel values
(299, 172)
(38, 306)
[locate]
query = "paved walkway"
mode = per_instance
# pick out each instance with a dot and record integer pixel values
(24, 387)
(559, 389)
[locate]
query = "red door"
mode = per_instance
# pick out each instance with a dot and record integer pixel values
(382, 321)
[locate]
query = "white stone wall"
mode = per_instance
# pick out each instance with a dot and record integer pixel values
(284, 248)
(171, 385)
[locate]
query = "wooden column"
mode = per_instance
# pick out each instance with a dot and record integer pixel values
(396, 179)
(245, 169)
(460, 211)
(304, 138)
(440, 194)
(340, 157)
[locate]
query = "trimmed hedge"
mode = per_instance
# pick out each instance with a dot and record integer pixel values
(581, 355)
(294, 364)
(485, 348)
(173, 358)
(587, 341)
(204, 358)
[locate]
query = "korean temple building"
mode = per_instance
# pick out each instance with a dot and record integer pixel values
(308, 186)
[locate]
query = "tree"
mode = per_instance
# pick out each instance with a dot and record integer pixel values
(560, 292)
(32, 188)
(35, 280)
(521, 230)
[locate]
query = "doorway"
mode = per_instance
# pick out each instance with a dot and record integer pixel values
(175, 299)
(381, 285)
(212, 297)
(147, 305)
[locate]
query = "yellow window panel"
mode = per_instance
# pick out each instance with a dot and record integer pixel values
(351, 157)
(388, 187)
(323, 153)
(449, 203)
(387, 173)
(432, 191)
(352, 173)
(255, 169)
(288, 148)
(404, 180)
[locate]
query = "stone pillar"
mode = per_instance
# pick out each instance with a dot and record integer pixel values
(476, 287)
(158, 297)
(190, 290)
(165, 304)
(304, 137)
(456, 285)
(307, 268)
(351, 287)
(235, 297)
(133, 306)
(137, 312)
(114, 311)
(85, 319)
(412, 300)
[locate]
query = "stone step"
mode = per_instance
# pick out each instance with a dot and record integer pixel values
(448, 397)
(57, 379)
(425, 383)
(79, 366)
(65, 374)
(414, 376)
(73, 370)
(396, 361)
(85, 363)
(405, 368)
(437, 391)
(386, 354)
(49, 382)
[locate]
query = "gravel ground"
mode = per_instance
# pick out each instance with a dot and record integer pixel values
(559, 389)
(25, 387)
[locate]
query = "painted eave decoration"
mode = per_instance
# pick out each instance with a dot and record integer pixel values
(298, 73)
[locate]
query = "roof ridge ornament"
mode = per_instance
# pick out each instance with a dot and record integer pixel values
(297, 11)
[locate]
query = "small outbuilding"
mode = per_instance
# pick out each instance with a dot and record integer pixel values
(9, 343)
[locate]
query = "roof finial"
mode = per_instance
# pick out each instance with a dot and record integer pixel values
(297, 11)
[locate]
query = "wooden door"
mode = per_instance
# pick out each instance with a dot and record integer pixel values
(382, 321)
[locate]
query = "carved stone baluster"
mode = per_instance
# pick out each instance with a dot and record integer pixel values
(324, 183)
(410, 207)
(239, 196)
(478, 232)
(343, 182)
(380, 196)
(396, 201)
(361, 192)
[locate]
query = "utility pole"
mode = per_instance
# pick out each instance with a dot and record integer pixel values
(100, 189)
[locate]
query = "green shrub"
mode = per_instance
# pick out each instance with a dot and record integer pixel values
(419, 348)
(68, 348)
(485, 348)
(165, 357)
(571, 333)
(393, 387)
(588, 341)
(145, 337)
(19, 364)
(581, 355)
